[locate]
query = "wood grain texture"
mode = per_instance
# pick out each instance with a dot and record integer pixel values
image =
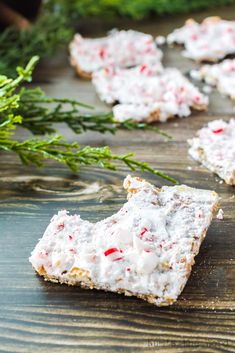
(38, 316)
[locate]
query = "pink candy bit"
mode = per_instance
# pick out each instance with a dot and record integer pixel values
(143, 68)
(194, 37)
(147, 250)
(197, 99)
(179, 101)
(70, 237)
(149, 41)
(60, 226)
(181, 89)
(73, 251)
(128, 269)
(218, 131)
(171, 245)
(102, 53)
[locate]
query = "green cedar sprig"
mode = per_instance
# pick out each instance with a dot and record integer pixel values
(49, 33)
(40, 112)
(37, 151)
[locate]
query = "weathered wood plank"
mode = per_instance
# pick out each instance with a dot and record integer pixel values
(40, 316)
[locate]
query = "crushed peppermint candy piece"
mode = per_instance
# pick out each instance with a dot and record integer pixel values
(146, 93)
(221, 75)
(119, 48)
(214, 147)
(152, 261)
(220, 214)
(218, 131)
(211, 40)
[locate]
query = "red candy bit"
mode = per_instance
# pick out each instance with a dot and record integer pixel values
(144, 231)
(143, 68)
(128, 269)
(42, 253)
(70, 237)
(110, 251)
(60, 226)
(218, 131)
(118, 259)
(147, 250)
(102, 53)
(160, 246)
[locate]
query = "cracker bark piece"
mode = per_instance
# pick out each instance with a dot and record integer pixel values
(119, 48)
(221, 75)
(146, 249)
(209, 41)
(148, 93)
(214, 147)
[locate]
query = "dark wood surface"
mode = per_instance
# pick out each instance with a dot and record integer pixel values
(37, 316)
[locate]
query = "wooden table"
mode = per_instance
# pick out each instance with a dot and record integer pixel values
(37, 316)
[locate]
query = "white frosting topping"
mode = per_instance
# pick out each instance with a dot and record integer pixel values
(119, 48)
(220, 75)
(145, 90)
(146, 247)
(211, 40)
(214, 147)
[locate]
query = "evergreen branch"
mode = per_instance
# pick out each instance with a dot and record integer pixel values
(14, 109)
(40, 112)
(36, 151)
(50, 32)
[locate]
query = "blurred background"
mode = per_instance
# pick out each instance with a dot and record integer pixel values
(42, 27)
